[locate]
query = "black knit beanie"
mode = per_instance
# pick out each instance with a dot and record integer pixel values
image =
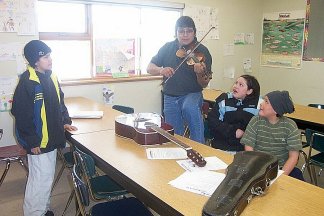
(281, 102)
(34, 50)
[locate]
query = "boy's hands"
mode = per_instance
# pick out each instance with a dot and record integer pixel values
(70, 127)
(36, 150)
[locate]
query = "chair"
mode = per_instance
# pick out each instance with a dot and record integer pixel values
(316, 141)
(123, 109)
(101, 187)
(205, 109)
(10, 154)
(306, 144)
(318, 106)
(126, 207)
(67, 162)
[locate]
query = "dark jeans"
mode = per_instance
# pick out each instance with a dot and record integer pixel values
(297, 173)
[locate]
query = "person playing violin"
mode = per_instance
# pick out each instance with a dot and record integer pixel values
(182, 81)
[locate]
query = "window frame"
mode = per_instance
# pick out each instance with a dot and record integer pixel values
(88, 35)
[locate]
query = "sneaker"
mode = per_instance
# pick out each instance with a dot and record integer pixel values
(49, 213)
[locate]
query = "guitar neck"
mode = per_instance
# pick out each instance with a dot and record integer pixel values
(170, 137)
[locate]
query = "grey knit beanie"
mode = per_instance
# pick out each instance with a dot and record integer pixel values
(281, 102)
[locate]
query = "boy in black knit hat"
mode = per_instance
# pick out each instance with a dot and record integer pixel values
(40, 120)
(274, 133)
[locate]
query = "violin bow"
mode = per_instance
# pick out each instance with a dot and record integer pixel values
(188, 55)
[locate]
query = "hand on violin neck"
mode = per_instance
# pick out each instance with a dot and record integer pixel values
(200, 67)
(167, 71)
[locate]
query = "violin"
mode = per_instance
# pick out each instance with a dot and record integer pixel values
(194, 57)
(191, 56)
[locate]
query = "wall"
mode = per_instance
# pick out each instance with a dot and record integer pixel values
(235, 16)
(305, 85)
(143, 96)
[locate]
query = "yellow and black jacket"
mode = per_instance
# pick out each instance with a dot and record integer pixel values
(39, 111)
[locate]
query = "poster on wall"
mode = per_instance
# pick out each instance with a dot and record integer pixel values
(7, 88)
(204, 18)
(282, 39)
(18, 16)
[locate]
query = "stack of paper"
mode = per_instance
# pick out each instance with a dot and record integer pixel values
(86, 114)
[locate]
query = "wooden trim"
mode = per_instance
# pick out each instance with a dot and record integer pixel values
(100, 80)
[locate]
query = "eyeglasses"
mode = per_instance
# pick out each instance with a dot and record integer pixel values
(182, 31)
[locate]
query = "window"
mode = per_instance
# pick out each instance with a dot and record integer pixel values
(103, 40)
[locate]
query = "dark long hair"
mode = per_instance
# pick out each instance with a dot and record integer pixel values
(252, 83)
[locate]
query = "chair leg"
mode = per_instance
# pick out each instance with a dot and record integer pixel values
(5, 172)
(21, 162)
(310, 173)
(68, 202)
(186, 133)
(58, 177)
(314, 174)
(305, 165)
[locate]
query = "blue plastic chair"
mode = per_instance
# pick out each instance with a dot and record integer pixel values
(126, 207)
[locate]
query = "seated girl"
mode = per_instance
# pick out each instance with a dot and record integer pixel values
(232, 112)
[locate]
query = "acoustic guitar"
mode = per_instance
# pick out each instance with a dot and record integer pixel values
(149, 129)
(133, 126)
(192, 154)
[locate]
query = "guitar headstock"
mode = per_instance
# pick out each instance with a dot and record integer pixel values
(196, 158)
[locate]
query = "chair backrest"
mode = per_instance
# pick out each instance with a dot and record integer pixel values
(315, 139)
(124, 109)
(81, 190)
(205, 108)
(318, 106)
(87, 167)
(86, 161)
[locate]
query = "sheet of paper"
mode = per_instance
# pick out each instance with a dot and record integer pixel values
(213, 163)
(166, 153)
(86, 114)
(228, 49)
(7, 84)
(200, 182)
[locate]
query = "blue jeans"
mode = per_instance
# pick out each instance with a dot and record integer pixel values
(185, 110)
